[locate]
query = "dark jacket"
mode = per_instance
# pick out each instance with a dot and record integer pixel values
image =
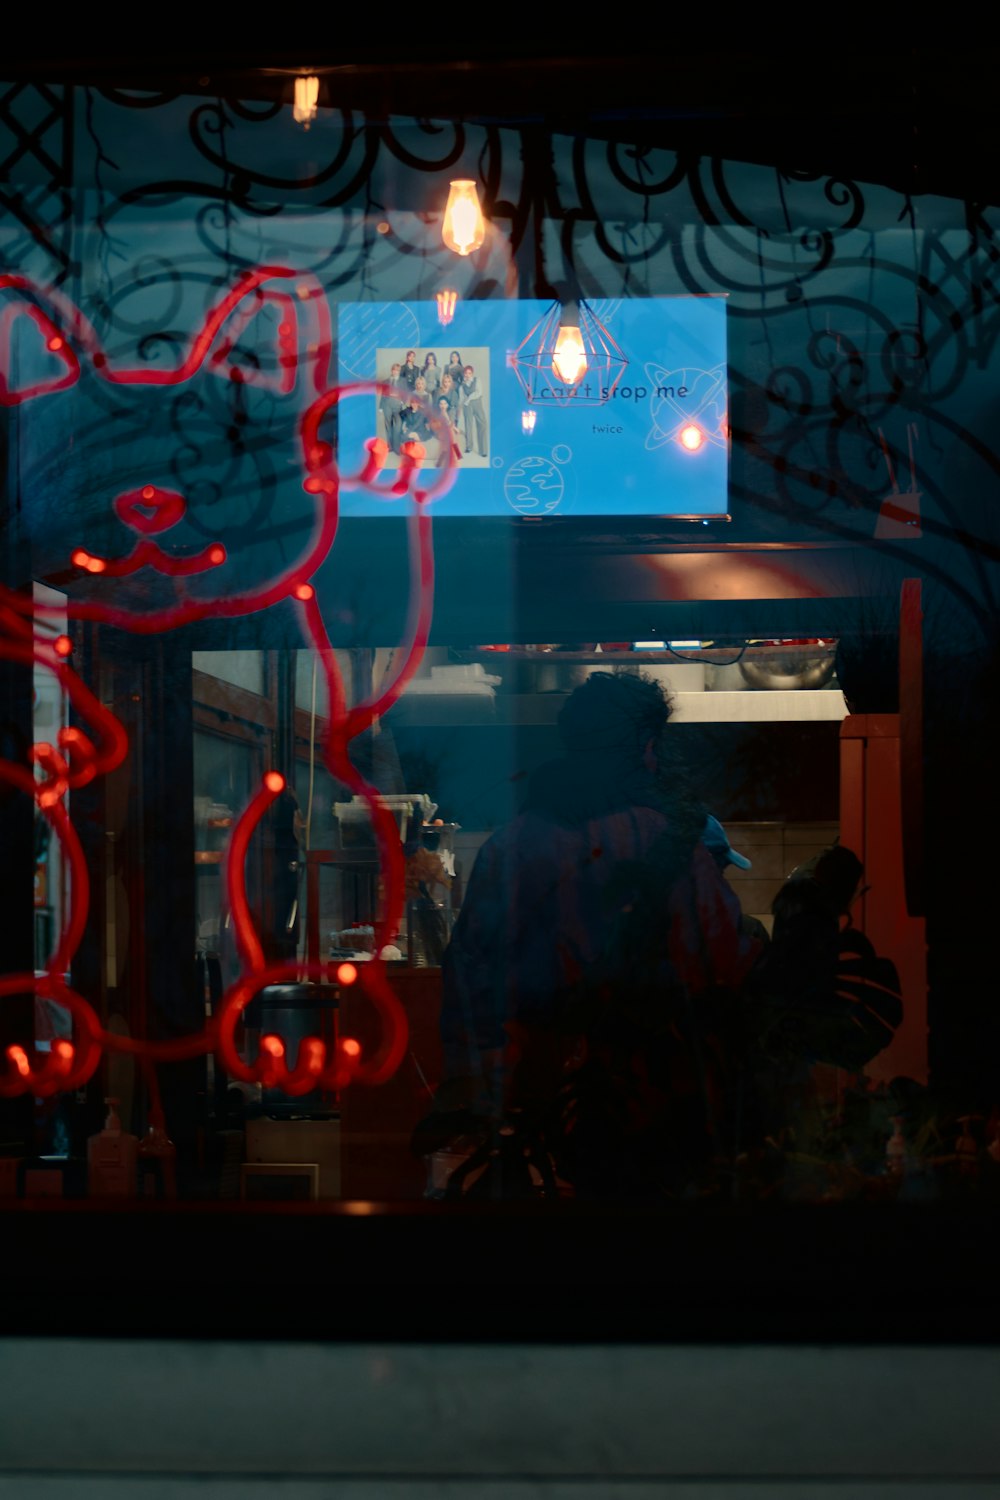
(577, 898)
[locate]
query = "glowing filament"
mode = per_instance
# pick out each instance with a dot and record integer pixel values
(447, 301)
(569, 359)
(528, 420)
(464, 227)
(304, 108)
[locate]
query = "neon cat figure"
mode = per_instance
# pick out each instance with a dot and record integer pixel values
(75, 759)
(152, 510)
(52, 771)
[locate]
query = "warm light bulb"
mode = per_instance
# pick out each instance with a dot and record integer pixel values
(569, 359)
(691, 437)
(464, 227)
(528, 419)
(447, 300)
(304, 108)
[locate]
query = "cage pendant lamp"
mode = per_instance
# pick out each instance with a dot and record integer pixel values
(569, 358)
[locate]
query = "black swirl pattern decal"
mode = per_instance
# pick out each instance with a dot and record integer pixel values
(861, 321)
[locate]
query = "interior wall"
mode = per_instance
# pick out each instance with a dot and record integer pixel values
(863, 371)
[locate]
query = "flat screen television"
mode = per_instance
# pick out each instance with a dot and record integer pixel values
(657, 445)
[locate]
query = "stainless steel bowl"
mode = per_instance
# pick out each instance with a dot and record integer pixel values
(790, 674)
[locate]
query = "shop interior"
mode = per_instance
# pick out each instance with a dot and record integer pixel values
(763, 725)
(771, 534)
(284, 646)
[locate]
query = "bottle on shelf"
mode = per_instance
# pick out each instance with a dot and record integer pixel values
(112, 1156)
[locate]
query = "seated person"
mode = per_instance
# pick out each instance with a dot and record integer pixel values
(446, 433)
(414, 423)
(820, 995)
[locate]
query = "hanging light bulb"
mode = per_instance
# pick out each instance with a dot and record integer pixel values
(304, 106)
(569, 358)
(528, 420)
(447, 300)
(464, 227)
(568, 342)
(691, 437)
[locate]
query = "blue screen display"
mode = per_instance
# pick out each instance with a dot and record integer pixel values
(657, 446)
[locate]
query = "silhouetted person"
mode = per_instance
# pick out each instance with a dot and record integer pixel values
(820, 994)
(582, 985)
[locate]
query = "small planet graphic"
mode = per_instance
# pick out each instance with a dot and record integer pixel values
(533, 486)
(704, 403)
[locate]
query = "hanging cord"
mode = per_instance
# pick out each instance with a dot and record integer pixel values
(708, 661)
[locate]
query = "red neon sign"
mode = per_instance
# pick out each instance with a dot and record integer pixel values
(77, 757)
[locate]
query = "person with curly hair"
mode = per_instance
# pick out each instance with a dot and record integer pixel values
(582, 983)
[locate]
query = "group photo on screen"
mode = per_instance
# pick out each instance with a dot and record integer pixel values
(657, 445)
(438, 397)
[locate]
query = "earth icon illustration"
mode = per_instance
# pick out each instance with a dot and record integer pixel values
(533, 486)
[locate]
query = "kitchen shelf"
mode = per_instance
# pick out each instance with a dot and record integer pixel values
(718, 656)
(539, 709)
(759, 706)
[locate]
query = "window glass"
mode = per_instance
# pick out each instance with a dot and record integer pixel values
(499, 712)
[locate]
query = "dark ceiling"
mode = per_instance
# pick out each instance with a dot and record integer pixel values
(920, 120)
